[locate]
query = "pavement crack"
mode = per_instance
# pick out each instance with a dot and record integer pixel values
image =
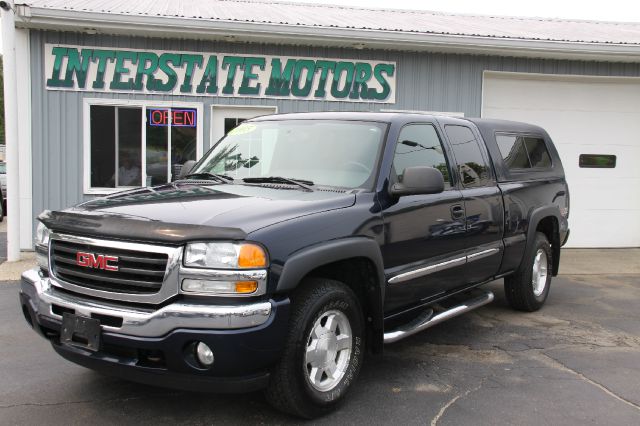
(452, 401)
(603, 388)
(62, 403)
(46, 404)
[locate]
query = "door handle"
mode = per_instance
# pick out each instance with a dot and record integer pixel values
(457, 212)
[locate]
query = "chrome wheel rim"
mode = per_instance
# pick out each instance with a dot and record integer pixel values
(539, 275)
(328, 350)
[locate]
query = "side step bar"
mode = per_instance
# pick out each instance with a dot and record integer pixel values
(428, 319)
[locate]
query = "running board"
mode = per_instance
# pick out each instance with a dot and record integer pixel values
(428, 319)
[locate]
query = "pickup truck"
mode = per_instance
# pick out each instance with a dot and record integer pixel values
(295, 245)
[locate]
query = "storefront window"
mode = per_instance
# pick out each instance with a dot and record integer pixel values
(129, 124)
(183, 147)
(157, 144)
(123, 136)
(103, 146)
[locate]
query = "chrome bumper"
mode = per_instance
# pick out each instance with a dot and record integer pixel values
(139, 321)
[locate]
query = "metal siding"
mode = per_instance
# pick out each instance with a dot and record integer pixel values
(425, 81)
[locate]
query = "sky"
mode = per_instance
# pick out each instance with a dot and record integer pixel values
(609, 10)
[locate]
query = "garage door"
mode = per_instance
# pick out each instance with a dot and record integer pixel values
(584, 116)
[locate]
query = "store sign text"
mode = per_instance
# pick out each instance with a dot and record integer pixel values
(172, 117)
(79, 68)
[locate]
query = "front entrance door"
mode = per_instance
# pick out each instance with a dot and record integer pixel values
(225, 118)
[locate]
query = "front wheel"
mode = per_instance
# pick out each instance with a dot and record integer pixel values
(324, 352)
(528, 288)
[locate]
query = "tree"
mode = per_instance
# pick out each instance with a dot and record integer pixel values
(1, 102)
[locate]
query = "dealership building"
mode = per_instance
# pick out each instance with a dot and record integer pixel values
(114, 94)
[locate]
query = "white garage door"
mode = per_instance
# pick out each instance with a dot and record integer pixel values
(583, 115)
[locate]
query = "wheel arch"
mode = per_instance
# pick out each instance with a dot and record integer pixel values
(546, 220)
(357, 262)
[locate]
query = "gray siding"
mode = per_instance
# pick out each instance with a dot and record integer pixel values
(425, 81)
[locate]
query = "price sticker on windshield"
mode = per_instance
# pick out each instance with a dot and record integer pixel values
(242, 129)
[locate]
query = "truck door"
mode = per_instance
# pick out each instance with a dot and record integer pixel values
(482, 203)
(424, 250)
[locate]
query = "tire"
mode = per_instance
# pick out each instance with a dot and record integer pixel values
(524, 291)
(315, 304)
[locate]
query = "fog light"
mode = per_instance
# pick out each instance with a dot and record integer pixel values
(219, 287)
(204, 354)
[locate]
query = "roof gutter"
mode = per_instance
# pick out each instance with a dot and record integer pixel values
(192, 28)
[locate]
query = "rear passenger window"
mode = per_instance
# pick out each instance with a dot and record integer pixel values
(513, 151)
(538, 154)
(419, 145)
(473, 169)
(523, 152)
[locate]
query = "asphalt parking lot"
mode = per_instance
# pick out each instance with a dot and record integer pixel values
(576, 361)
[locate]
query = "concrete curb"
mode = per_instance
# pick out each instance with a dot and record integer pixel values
(600, 261)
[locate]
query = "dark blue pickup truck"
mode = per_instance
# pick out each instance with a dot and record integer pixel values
(297, 243)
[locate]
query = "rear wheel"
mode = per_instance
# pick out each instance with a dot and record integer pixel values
(324, 351)
(528, 288)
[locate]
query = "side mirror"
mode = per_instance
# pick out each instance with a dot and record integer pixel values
(419, 180)
(186, 168)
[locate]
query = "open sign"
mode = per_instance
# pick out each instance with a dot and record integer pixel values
(172, 117)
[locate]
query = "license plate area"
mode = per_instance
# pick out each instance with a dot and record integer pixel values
(80, 331)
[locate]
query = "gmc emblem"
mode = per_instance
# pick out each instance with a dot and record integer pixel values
(100, 261)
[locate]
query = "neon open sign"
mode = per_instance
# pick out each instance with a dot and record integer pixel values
(172, 117)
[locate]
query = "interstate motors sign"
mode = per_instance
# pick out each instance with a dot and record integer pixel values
(93, 69)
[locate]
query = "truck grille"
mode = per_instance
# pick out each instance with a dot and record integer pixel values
(137, 272)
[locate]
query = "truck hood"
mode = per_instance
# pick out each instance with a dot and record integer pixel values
(181, 212)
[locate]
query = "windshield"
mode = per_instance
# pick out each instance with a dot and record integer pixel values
(325, 152)
(3, 168)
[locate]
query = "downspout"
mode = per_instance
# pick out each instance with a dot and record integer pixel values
(7, 8)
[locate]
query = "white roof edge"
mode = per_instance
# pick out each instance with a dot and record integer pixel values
(164, 27)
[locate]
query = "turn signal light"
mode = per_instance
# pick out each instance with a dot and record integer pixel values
(246, 286)
(251, 256)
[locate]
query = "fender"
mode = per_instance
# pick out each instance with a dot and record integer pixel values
(534, 219)
(304, 261)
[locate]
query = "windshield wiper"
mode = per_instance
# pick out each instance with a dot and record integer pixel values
(212, 176)
(306, 184)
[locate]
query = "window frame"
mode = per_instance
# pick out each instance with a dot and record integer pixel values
(521, 170)
(454, 181)
(132, 103)
(581, 166)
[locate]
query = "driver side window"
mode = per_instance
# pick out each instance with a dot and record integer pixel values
(419, 145)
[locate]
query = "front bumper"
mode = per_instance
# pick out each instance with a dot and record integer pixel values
(154, 346)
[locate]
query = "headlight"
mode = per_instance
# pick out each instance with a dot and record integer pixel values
(42, 246)
(225, 256)
(236, 269)
(42, 235)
